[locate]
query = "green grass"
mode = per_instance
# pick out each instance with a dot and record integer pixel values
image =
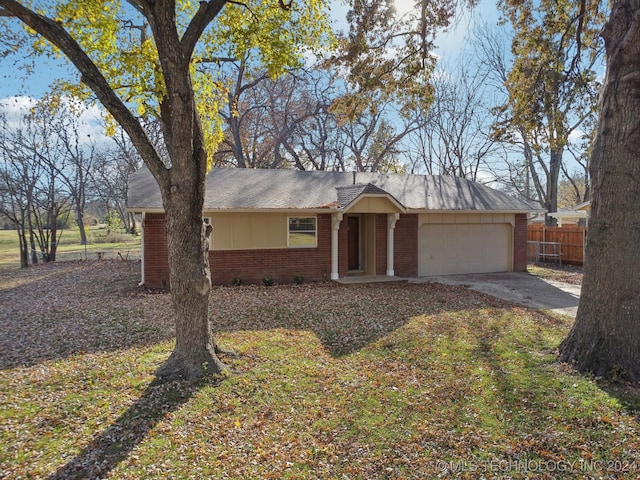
(468, 389)
(109, 244)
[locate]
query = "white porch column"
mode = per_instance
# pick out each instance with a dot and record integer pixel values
(141, 249)
(392, 218)
(336, 219)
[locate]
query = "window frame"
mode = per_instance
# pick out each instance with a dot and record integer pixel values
(315, 231)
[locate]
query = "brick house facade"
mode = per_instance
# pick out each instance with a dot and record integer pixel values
(399, 225)
(283, 265)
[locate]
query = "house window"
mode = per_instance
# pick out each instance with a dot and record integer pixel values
(302, 232)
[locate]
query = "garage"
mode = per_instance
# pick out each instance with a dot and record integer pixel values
(464, 248)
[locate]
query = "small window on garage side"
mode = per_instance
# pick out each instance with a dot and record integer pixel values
(302, 232)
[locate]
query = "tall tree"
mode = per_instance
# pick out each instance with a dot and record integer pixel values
(552, 83)
(368, 141)
(71, 152)
(34, 197)
(243, 144)
(605, 339)
(155, 75)
(454, 137)
(18, 180)
(389, 53)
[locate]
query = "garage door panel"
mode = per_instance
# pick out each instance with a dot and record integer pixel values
(464, 248)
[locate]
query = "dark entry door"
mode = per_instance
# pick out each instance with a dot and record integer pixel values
(354, 243)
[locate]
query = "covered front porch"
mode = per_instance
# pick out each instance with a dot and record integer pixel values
(362, 233)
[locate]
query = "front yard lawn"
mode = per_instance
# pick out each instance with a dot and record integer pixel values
(381, 381)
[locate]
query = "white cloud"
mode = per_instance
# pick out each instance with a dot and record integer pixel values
(90, 124)
(14, 108)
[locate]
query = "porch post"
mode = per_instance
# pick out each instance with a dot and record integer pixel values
(336, 219)
(392, 218)
(141, 248)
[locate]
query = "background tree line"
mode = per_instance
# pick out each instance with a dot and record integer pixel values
(52, 171)
(516, 108)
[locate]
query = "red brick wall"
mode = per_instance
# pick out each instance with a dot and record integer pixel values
(405, 246)
(251, 266)
(156, 262)
(281, 264)
(520, 243)
(314, 264)
(405, 243)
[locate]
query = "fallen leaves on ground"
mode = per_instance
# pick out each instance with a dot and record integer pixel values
(570, 274)
(380, 381)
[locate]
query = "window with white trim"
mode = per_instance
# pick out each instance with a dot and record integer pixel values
(302, 232)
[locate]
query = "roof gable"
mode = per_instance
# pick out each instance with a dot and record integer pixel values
(350, 196)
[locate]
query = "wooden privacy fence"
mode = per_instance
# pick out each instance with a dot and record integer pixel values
(570, 237)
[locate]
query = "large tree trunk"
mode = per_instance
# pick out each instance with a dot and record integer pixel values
(190, 277)
(605, 339)
(183, 184)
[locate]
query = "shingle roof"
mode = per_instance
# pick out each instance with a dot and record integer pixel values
(251, 189)
(348, 194)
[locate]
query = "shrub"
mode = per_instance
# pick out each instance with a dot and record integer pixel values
(113, 221)
(267, 281)
(298, 279)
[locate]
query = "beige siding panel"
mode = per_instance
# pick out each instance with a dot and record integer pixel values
(464, 248)
(374, 205)
(249, 231)
(449, 217)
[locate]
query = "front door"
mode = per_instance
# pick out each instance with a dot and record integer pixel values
(354, 243)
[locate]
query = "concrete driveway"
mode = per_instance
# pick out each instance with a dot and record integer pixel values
(519, 287)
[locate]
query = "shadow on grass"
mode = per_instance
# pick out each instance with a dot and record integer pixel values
(345, 318)
(56, 310)
(628, 394)
(114, 444)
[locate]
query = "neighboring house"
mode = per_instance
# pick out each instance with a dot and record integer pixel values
(328, 225)
(577, 215)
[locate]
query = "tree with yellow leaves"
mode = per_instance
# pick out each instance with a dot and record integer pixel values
(139, 59)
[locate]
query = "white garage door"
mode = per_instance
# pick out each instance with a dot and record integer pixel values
(464, 248)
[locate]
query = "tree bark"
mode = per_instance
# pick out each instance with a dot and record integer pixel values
(605, 339)
(81, 226)
(190, 277)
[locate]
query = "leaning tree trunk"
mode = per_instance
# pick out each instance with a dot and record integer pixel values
(605, 339)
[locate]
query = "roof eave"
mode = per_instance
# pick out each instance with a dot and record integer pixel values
(466, 211)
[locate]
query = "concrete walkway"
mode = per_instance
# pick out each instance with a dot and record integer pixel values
(518, 287)
(362, 278)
